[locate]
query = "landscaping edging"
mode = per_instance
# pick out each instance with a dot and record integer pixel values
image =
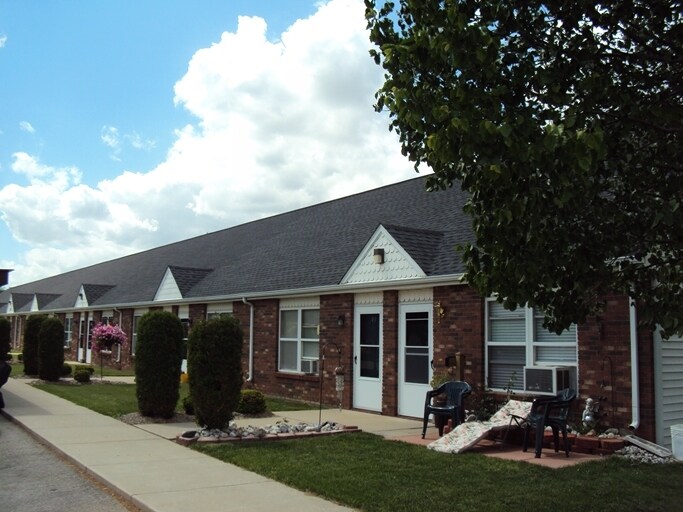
(190, 437)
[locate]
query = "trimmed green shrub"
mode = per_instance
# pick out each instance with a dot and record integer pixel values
(82, 375)
(51, 349)
(31, 340)
(188, 406)
(5, 329)
(214, 366)
(66, 370)
(157, 363)
(252, 401)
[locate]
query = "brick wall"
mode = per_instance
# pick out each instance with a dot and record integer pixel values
(605, 368)
(390, 353)
(336, 341)
(461, 329)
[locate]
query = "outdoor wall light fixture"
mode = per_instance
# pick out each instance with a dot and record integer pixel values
(440, 311)
(378, 256)
(340, 320)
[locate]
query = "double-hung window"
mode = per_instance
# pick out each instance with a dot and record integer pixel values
(299, 340)
(515, 339)
(68, 330)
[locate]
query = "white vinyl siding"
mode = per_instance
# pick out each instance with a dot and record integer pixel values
(668, 386)
(515, 339)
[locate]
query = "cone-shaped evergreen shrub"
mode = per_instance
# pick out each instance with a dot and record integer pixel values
(4, 338)
(214, 365)
(157, 363)
(51, 349)
(30, 350)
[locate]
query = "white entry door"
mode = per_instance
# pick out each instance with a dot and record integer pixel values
(415, 355)
(367, 358)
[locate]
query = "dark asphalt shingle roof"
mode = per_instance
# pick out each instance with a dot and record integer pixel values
(309, 247)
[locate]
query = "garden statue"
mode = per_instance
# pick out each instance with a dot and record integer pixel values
(589, 413)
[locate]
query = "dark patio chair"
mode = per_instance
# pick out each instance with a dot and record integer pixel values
(548, 412)
(454, 391)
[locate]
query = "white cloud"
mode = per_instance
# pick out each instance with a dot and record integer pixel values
(280, 125)
(138, 142)
(27, 127)
(109, 135)
(3, 40)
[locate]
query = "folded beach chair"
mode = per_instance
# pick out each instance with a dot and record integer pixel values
(468, 434)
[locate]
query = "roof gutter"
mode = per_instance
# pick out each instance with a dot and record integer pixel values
(416, 283)
(251, 338)
(635, 382)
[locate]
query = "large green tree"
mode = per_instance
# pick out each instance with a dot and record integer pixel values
(563, 122)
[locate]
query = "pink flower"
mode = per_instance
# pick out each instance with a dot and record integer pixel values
(106, 336)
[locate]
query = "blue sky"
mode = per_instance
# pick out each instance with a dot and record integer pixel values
(125, 125)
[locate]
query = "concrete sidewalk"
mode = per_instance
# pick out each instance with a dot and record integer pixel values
(143, 466)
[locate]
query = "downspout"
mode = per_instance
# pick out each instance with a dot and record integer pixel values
(118, 345)
(251, 338)
(635, 382)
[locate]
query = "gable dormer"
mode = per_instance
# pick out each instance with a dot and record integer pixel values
(90, 293)
(42, 300)
(168, 288)
(177, 281)
(382, 259)
(20, 302)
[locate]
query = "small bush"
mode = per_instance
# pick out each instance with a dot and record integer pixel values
(5, 328)
(20, 357)
(252, 402)
(51, 349)
(188, 406)
(66, 370)
(82, 376)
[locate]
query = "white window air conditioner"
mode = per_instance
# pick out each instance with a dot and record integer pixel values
(546, 379)
(309, 366)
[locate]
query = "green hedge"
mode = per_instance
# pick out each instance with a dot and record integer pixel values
(51, 349)
(214, 366)
(157, 363)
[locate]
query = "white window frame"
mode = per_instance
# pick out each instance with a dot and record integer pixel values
(68, 330)
(217, 310)
(531, 345)
(299, 339)
(137, 314)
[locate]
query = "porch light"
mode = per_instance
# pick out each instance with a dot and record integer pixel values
(378, 256)
(340, 320)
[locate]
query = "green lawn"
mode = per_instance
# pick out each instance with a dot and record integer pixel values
(119, 399)
(367, 472)
(18, 370)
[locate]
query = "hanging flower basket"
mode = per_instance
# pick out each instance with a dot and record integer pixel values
(104, 337)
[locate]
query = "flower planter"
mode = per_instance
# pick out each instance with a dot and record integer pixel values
(571, 439)
(586, 444)
(612, 444)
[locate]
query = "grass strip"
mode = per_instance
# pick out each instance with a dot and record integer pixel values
(370, 473)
